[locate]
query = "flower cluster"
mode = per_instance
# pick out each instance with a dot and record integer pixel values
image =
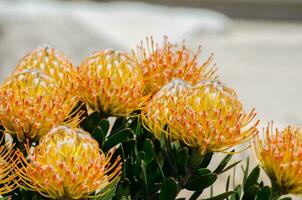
(43, 106)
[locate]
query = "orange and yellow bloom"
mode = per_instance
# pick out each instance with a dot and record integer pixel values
(111, 82)
(31, 103)
(7, 175)
(280, 155)
(162, 64)
(207, 116)
(67, 164)
(53, 63)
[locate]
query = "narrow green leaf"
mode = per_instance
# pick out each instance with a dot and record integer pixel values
(203, 171)
(230, 166)
(118, 124)
(227, 185)
(206, 160)
(237, 194)
(168, 190)
(129, 146)
(200, 182)
(182, 160)
(149, 150)
(104, 124)
(144, 173)
(138, 127)
(264, 194)
(221, 196)
(251, 193)
(98, 135)
(252, 178)
(223, 163)
(100, 131)
(116, 138)
(91, 122)
(246, 170)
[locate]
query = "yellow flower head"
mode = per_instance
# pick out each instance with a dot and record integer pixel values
(67, 164)
(53, 63)
(207, 116)
(6, 173)
(111, 82)
(160, 65)
(280, 155)
(31, 104)
(157, 112)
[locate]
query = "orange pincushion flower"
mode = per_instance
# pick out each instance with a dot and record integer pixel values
(162, 64)
(207, 116)
(67, 164)
(280, 155)
(111, 82)
(6, 173)
(31, 104)
(53, 63)
(157, 112)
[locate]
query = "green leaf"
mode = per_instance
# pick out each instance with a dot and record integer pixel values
(227, 183)
(250, 194)
(144, 172)
(230, 166)
(149, 150)
(206, 160)
(129, 146)
(200, 182)
(200, 161)
(168, 190)
(221, 196)
(138, 128)
(223, 163)
(126, 198)
(98, 135)
(117, 138)
(237, 194)
(182, 160)
(252, 178)
(104, 124)
(118, 124)
(203, 171)
(246, 170)
(100, 131)
(264, 194)
(91, 122)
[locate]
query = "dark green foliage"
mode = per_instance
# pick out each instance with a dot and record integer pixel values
(159, 169)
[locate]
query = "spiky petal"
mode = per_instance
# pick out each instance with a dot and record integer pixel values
(207, 116)
(111, 82)
(161, 64)
(280, 155)
(67, 164)
(7, 175)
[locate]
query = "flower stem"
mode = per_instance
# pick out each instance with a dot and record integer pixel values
(276, 191)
